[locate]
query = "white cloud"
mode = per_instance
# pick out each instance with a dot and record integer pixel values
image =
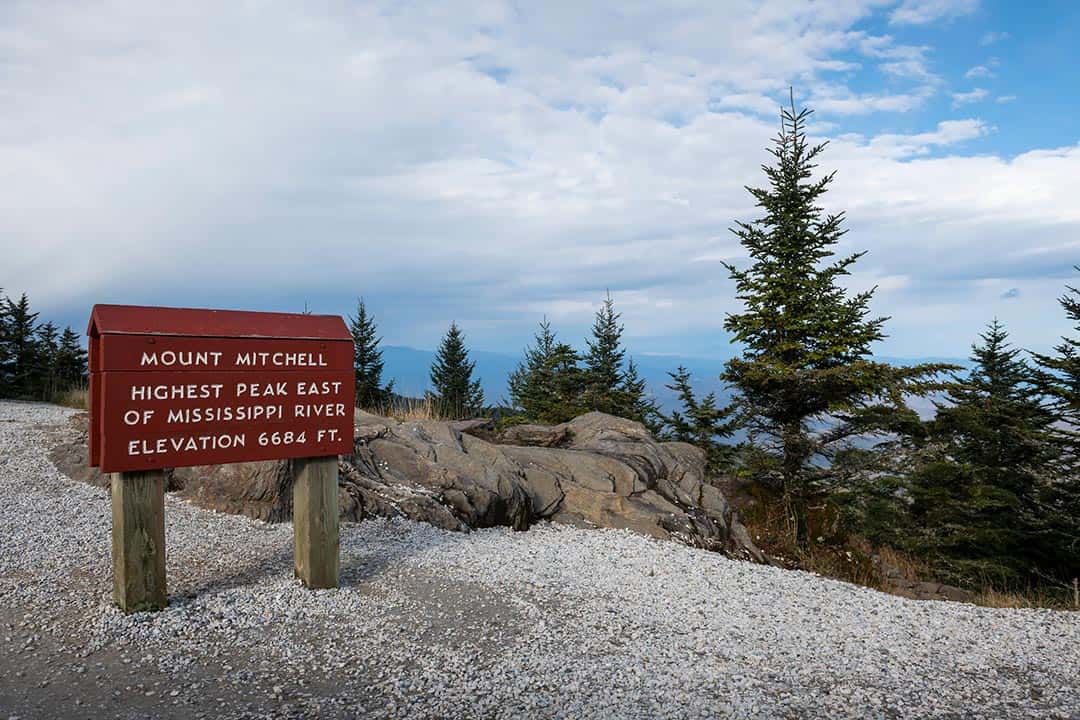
(972, 96)
(749, 101)
(486, 163)
(906, 69)
(922, 12)
(948, 132)
(862, 280)
(993, 37)
(1005, 98)
(838, 100)
(979, 71)
(905, 61)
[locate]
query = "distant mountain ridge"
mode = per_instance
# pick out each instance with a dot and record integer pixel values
(409, 367)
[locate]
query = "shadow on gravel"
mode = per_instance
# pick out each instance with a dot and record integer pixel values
(359, 572)
(279, 562)
(359, 564)
(358, 568)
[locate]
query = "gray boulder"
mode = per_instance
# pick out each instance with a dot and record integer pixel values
(594, 471)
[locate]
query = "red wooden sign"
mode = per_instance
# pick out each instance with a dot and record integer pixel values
(174, 388)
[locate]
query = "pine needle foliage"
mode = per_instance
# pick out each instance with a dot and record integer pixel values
(456, 394)
(38, 361)
(1058, 376)
(806, 382)
(5, 350)
(700, 422)
(604, 362)
(48, 350)
(70, 360)
(368, 360)
(547, 385)
(635, 401)
(977, 494)
(554, 383)
(26, 359)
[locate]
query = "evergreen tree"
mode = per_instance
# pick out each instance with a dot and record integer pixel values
(701, 422)
(604, 362)
(528, 382)
(977, 493)
(634, 402)
(679, 426)
(547, 385)
(806, 384)
(71, 367)
(36, 361)
(553, 383)
(457, 395)
(5, 347)
(46, 381)
(367, 360)
(22, 371)
(1058, 376)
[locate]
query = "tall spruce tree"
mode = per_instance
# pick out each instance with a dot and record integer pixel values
(547, 385)
(976, 495)
(70, 359)
(5, 347)
(604, 362)
(23, 371)
(46, 377)
(1058, 377)
(806, 384)
(368, 360)
(456, 394)
(699, 422)
(634, 400)
(529, 380)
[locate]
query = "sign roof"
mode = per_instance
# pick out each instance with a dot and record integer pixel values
(139, 320)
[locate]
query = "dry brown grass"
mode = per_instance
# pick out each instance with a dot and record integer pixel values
(833, 554)
(77, 397)
(828, 553)
(910, 568)
(996, 599)
(1055, 595)
(409, 410)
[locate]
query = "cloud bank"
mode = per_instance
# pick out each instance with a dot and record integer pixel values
(491, 163)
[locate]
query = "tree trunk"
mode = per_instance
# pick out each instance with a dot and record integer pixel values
(794, 483)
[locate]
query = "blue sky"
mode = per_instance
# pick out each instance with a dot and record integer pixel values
(1021, 55)
(495, 162)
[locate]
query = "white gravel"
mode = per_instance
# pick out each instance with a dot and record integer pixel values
(553, 622)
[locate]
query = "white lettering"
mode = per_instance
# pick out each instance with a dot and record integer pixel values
(325, 387)
(281, 359)
(228, 413)
(176, 392)
(185, 358)
(189, 443)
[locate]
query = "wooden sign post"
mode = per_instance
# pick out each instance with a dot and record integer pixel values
(315, 521)
(138, 540)
(173, 388)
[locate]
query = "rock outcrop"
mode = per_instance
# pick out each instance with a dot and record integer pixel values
(594, 471)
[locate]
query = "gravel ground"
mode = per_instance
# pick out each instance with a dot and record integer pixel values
(554, 622)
